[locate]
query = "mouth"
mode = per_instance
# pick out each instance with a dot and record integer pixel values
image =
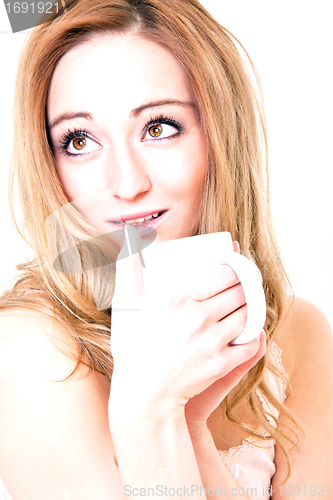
(144, 221)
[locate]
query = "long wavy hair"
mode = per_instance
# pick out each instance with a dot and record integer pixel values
(235, 194)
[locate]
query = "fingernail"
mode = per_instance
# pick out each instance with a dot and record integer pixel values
(237, 246)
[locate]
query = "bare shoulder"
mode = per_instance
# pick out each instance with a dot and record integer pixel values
(36, 339)
(39, 352)
(48, 407)
(306, 340)
(305, 336)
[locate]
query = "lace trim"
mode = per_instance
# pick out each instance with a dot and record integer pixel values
(276, 356)
(277, 384)
(240, 452)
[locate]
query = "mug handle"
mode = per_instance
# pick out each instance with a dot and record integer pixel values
(251, 280)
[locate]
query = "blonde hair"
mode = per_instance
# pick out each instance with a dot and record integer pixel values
(235, 195)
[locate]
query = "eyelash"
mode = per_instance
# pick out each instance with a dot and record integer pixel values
(166, 120)
(70, 135)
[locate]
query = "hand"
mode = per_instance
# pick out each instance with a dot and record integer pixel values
(201, 406)
(170, 350)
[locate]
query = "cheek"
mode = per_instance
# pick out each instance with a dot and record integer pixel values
(191, 175)
(77, 181)
(183, 170)
(68, 184)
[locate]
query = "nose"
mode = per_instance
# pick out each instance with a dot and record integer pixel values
(128, 174)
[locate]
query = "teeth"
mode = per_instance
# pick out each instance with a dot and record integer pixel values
(139, 220)
(136, 220)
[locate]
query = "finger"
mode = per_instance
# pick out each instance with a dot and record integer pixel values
(236, 374)
(242, 360)
(213, 282)
(224, 303)
(224, 276)
(129, 264)
(230, 327)
(258, 346)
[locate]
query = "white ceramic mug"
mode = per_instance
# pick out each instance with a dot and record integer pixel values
(175, 266)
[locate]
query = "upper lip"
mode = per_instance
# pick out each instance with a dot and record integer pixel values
(137, 215)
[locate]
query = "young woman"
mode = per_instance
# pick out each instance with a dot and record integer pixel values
(144, 109)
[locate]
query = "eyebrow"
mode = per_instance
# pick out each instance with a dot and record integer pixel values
(70, 116)
(154, 104)
(133, 114)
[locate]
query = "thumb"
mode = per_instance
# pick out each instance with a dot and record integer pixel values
(129, 282)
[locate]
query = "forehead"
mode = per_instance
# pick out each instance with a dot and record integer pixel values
(117, 71)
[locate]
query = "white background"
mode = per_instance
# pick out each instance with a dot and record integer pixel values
(291, 44)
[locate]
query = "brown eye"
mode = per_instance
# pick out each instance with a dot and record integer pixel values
(155, 130)
(79, 143)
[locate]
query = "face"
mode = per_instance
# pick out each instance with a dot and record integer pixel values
(126, 135)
